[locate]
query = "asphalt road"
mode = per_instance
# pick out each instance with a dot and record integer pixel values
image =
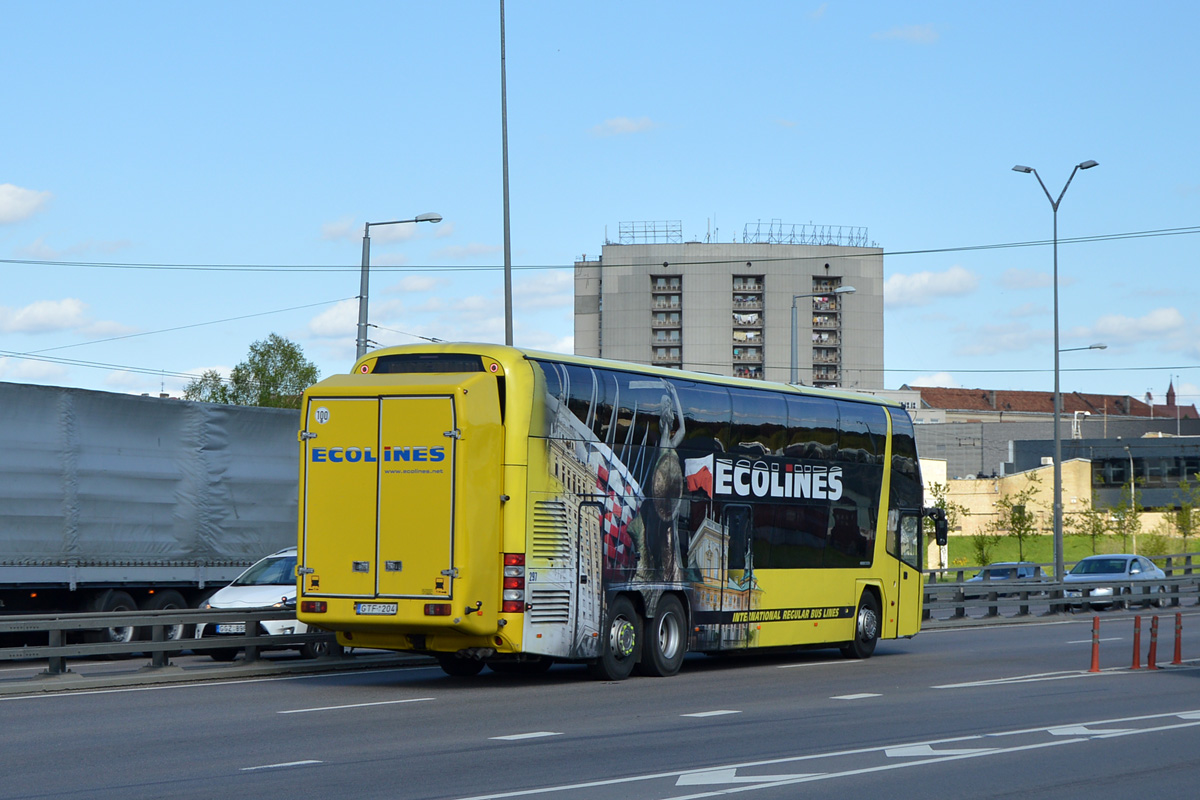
(985, 712)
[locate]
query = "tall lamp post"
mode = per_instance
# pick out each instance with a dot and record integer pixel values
(796, 328)
(1129, 512)
(1058, 520)
(361, 342)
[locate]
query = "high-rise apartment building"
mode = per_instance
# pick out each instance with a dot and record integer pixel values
(727, 308)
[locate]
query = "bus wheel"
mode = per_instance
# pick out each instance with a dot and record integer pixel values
(866, 629)
(665, 642)
(618, 642)
(459, 667)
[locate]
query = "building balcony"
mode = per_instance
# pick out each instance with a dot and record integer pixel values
(823, 358)
(747, 287)
(661, 359)
(665, 323)
(668, 286)
(669, 305)
(754, 357)
(747, 305)
(826, 340)
(825, 324)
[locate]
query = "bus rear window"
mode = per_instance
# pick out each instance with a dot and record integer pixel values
(428, 362)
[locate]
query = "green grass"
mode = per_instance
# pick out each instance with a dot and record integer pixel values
(1040, 549)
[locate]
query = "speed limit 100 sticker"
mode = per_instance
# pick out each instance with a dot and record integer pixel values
(321, 415)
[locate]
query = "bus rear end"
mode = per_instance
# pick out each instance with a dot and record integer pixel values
(399, 540)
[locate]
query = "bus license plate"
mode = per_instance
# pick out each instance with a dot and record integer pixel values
(231, 627)
(375, 608)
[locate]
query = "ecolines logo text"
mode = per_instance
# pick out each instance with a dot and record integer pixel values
(745, 478)
(354, 455)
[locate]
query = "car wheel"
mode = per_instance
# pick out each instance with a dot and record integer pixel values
(322, 648)
(223, 654)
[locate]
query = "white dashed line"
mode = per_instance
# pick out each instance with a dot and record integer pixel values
(862, 696)
(280, 766)
(356, 705)
(710, 713)
(517, 736)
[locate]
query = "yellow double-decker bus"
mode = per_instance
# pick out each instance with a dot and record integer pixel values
(494, 506)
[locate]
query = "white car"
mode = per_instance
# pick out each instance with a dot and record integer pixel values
(1093, 577)
(270, 583)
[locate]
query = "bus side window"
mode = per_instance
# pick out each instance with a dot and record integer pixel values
(909, 533)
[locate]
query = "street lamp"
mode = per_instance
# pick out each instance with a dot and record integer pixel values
(795, 326)
(361, 342)
(1058, 521)
(1129, 512)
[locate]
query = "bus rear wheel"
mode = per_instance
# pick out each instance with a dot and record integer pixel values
(457, 667)
(665, 642)
(620, 644)
(866, 629)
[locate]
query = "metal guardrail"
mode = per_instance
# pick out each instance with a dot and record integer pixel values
(1003, 597)
(153, 631)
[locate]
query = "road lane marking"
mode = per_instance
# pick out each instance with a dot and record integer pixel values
(710, 713)
(860, 696)
(1084, 730)
(845, 663)
(355, 705)
(1193, 717)
(1107, 639)
(518, 736)
(281, 766)
(924, 750)
(718, 776)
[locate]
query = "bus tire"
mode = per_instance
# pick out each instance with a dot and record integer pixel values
(457, 667)
(620, 642)
(665, 641)
(866, 628)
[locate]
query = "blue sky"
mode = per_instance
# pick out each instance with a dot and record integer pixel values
(226, 156)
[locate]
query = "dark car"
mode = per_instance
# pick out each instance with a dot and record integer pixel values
(1000, 572)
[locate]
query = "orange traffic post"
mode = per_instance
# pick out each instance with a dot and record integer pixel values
(1178, 659)
(1095, 645)
(1137, 643)
(1153, 657)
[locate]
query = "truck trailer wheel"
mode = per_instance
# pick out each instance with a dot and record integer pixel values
(160, 601)
(665, 642)
(113, 600)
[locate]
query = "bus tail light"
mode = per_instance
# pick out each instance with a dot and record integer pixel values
(314, 606)
(513, 599)
(437, 609)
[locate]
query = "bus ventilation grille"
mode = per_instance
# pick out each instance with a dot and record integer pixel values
(551, 533)
(550, 606)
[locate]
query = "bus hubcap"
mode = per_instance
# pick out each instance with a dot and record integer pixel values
(622, 638)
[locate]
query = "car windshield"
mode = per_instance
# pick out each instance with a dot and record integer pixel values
(1100, 566)
(279, 571)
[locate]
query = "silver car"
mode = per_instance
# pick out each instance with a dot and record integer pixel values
(1101, 579)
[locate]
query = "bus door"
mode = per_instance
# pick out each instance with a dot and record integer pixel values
(589, 591)
(908, 581)
(379, 497)
(737, 575)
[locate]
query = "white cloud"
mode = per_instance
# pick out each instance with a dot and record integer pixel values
(38, 250)
(30, 369)
(990, 340)
(913, 34)
(474, 250)
(1023, 279)
(922, 288)
(620, 126)
(344, 228)
(940, 379)
(1029, 310)
(1117, 329)
(17, 204)
(819, 12)
(44, 315)
(339, 321)
(416, 283)
(552, 290)
(443, 229)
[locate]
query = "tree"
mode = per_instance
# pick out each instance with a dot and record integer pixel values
(274, 374)
(954, 511)
(1186, 518)
(1091, 522)
(1127, 517)
(210, 387)
(1015, 515)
